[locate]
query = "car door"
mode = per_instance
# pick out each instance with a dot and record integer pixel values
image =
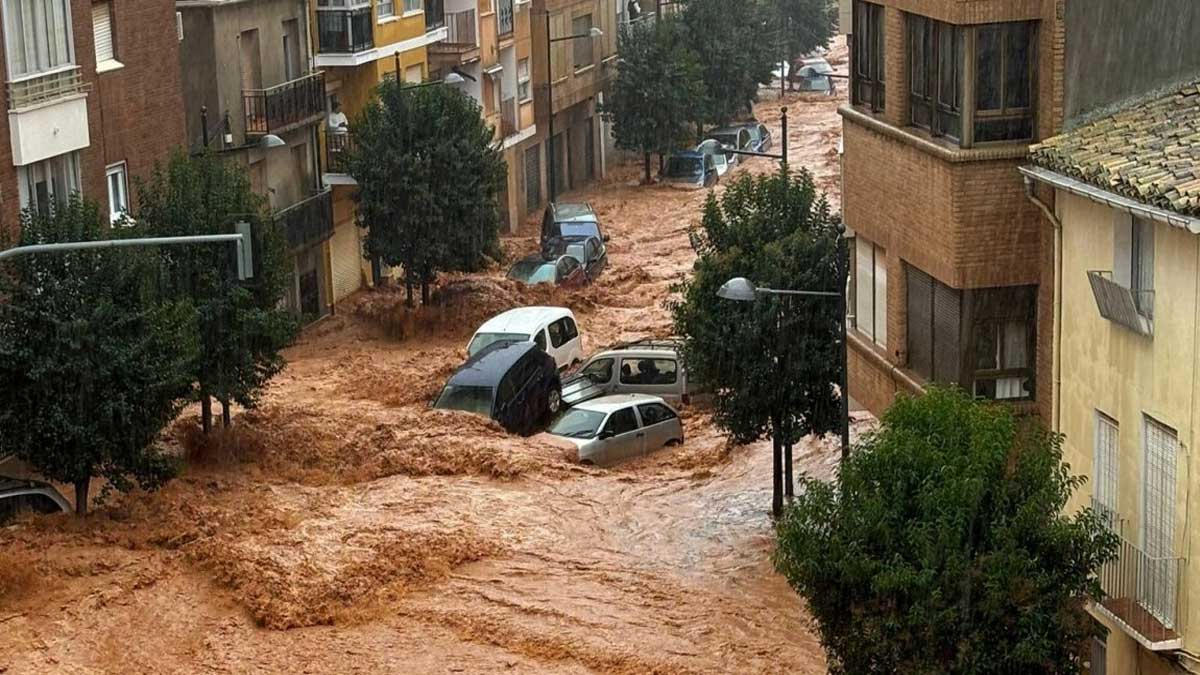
(557, 345)
(526, 404)
(659, 423)
(574, 341)
(594, 380)
(655, 375)
(571, 273)
(620, 438)
(765, 134)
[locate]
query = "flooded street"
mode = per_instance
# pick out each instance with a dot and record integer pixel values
(344, 527)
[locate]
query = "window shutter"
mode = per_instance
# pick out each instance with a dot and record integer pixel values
(102, 29)
(920, 321)
(947, 347)
(179, 26)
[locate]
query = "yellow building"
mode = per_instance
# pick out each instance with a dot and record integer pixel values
(357, 43)
(1127, 209)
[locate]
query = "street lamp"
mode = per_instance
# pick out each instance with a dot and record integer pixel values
(594, 32)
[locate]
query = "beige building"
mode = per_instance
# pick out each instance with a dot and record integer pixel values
(1127, 208)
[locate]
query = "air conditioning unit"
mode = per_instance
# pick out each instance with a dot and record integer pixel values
(179, 25)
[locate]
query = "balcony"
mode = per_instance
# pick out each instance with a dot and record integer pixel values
(338, 146)
(510, 117)
(435, 15)
(345, 31)
(307, 222)
(1131, 308)
(504, 18)
(462, 38)
(284, 107)
(1142, 594)
(47, 115)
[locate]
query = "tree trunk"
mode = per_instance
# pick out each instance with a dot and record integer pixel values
(646, 162)
(789, 488)
(206, 413)
(776, 470)
(424, 291)
(227, 417)
(408, 288)
(81, 496)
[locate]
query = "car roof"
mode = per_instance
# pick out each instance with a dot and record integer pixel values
(639, 353)
(820, 64)
(689, 154)
(567, 212)
(12, 487)
(524, 319)
(486, 368)
(726, 130)
(608, 404)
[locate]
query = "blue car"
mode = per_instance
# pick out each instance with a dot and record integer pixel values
(690, 170)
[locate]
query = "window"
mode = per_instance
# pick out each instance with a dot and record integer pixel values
(582, 25)
(1104, 469)
(935, 54)
(870, 290)
(523, 80)
(414, 74)
(649, 371)
(291, 49)
(558, 336)
(540, 340)
(48, 181)
(600, 371)
(1157, 589)
(37, 36)
(413, 6)
(1142, 266)
(867, 87)
(102, 31)
(118, 191)
(1098, 665)
(934, 316)
(1004, 67)
(385, 8)
(621, 422)
(653, 413)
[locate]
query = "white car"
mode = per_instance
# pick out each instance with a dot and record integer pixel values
(713, 147)
(615, 428)
(553, 329)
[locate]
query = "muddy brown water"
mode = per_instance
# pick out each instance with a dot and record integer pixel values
(345, 528)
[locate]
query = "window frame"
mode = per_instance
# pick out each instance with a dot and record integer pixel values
(27, 185)
(582, 43)
(113, 60)
(10, 28)
(1106, 449)
(1004, 112)
(118, 169)
(869, 44)
(524, 90)
(413, 7)
(878, 320)
(613, 416)
(385, 9)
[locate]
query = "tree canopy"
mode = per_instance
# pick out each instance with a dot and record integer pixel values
(807, 25)
(93, 362)
(429, 179)
(942, 546)
(242, 325)
(736, 52)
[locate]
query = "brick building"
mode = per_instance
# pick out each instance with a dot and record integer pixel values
(950, 258)
(90, 105)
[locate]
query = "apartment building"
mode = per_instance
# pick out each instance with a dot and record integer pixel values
(90, 105)
(572, 68)
(949, 256)
(358, 43)
(248, 68)
(488, 43)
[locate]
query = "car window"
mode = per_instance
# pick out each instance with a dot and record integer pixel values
(540, 340)
(649, 371)
(653, 413)
(592, 250)
(599, 371)
(569, 328)
(558, 336)
(621, 422)
(569, 265)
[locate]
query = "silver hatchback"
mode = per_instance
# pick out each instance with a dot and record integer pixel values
(613, 429)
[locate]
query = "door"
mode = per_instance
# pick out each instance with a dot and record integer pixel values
(655, 375)
(622, 438)
(291, 49)
(251, 60)
(660, 424)
(346, 254)
(564, 342)
(593, 381)
(1157, 581)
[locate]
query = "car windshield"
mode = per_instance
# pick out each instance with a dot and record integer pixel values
(577, 423)
(476, 400)
(582, 229)
(484, 340)
(684, 167)
(533, 272)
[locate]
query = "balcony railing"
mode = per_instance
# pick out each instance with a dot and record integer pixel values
(30, 91)
(461, 34)
(309, 221)
(347, 31)
(509, 117)
(1142, 592)
(1131, 308)
(338, 145)
(504, 17)
(285, 106)
(435, 14)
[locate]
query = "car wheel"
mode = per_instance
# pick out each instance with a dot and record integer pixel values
(554, 401)
(674, 442)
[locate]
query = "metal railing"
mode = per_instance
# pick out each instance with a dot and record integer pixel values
(435, 14)
(338, 145)
(308, 221)
(1143, 592)
(461, 33)
(285, 106)
(346, 31)
(504, 17)
(1131, 308)
(509, 117)
(31, 91)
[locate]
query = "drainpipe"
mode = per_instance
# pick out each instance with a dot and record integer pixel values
(1056, 393)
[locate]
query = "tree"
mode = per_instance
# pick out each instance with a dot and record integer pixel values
(242, 325)
(942, 546)
(429, 181)
(807, 25)
(657, 90)
(93, 364)
(772, 364)
(737, 54)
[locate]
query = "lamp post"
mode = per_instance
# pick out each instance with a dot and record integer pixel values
(550, 41)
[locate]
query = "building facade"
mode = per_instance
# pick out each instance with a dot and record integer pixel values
(249, 69)
(90, 106)
(358, 43)
(949, 256)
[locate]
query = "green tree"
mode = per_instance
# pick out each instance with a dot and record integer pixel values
(807, 25)
(942, 546)
(772, 364)
(429, 179)
(242, 325)
(657, 90)
(736, 54)
(93, 365)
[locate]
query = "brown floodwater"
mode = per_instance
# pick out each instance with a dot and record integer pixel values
(344, 527)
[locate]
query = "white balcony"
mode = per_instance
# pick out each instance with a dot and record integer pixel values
(47, 116)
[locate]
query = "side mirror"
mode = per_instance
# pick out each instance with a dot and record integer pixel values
(606, 434)
(605, 239)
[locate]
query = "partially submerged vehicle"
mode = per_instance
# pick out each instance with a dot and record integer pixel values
(612, 429)
(514, 383)
(646, 367)
(553, 329)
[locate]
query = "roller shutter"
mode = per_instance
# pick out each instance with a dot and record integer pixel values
(346, 255)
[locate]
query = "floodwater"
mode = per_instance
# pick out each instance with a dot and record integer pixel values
(344, 527)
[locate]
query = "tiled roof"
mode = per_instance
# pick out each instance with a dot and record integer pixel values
(1149, 152)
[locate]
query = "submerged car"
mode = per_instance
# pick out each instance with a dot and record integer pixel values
(29, 496)
(615, 428)
(514, 383)
(760, 135)
(647, 367)
(552, 329)
(590, 252)
(562, 270)
(732, 138)
(814, 75)
(714, 148)
(690, 170)
(570, 220)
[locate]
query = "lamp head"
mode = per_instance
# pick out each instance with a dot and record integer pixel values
(453, 78)
(271, 141)
(596, 32)
(739, 289)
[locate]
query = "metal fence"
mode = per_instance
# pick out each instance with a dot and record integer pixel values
(504, 17)
(46, 87)
(1143, 591)
(309, 221)
(460, 30)
(338, 145)
(344, 31)
(284, 106)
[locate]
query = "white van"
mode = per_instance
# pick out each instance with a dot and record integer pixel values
(553, 329)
